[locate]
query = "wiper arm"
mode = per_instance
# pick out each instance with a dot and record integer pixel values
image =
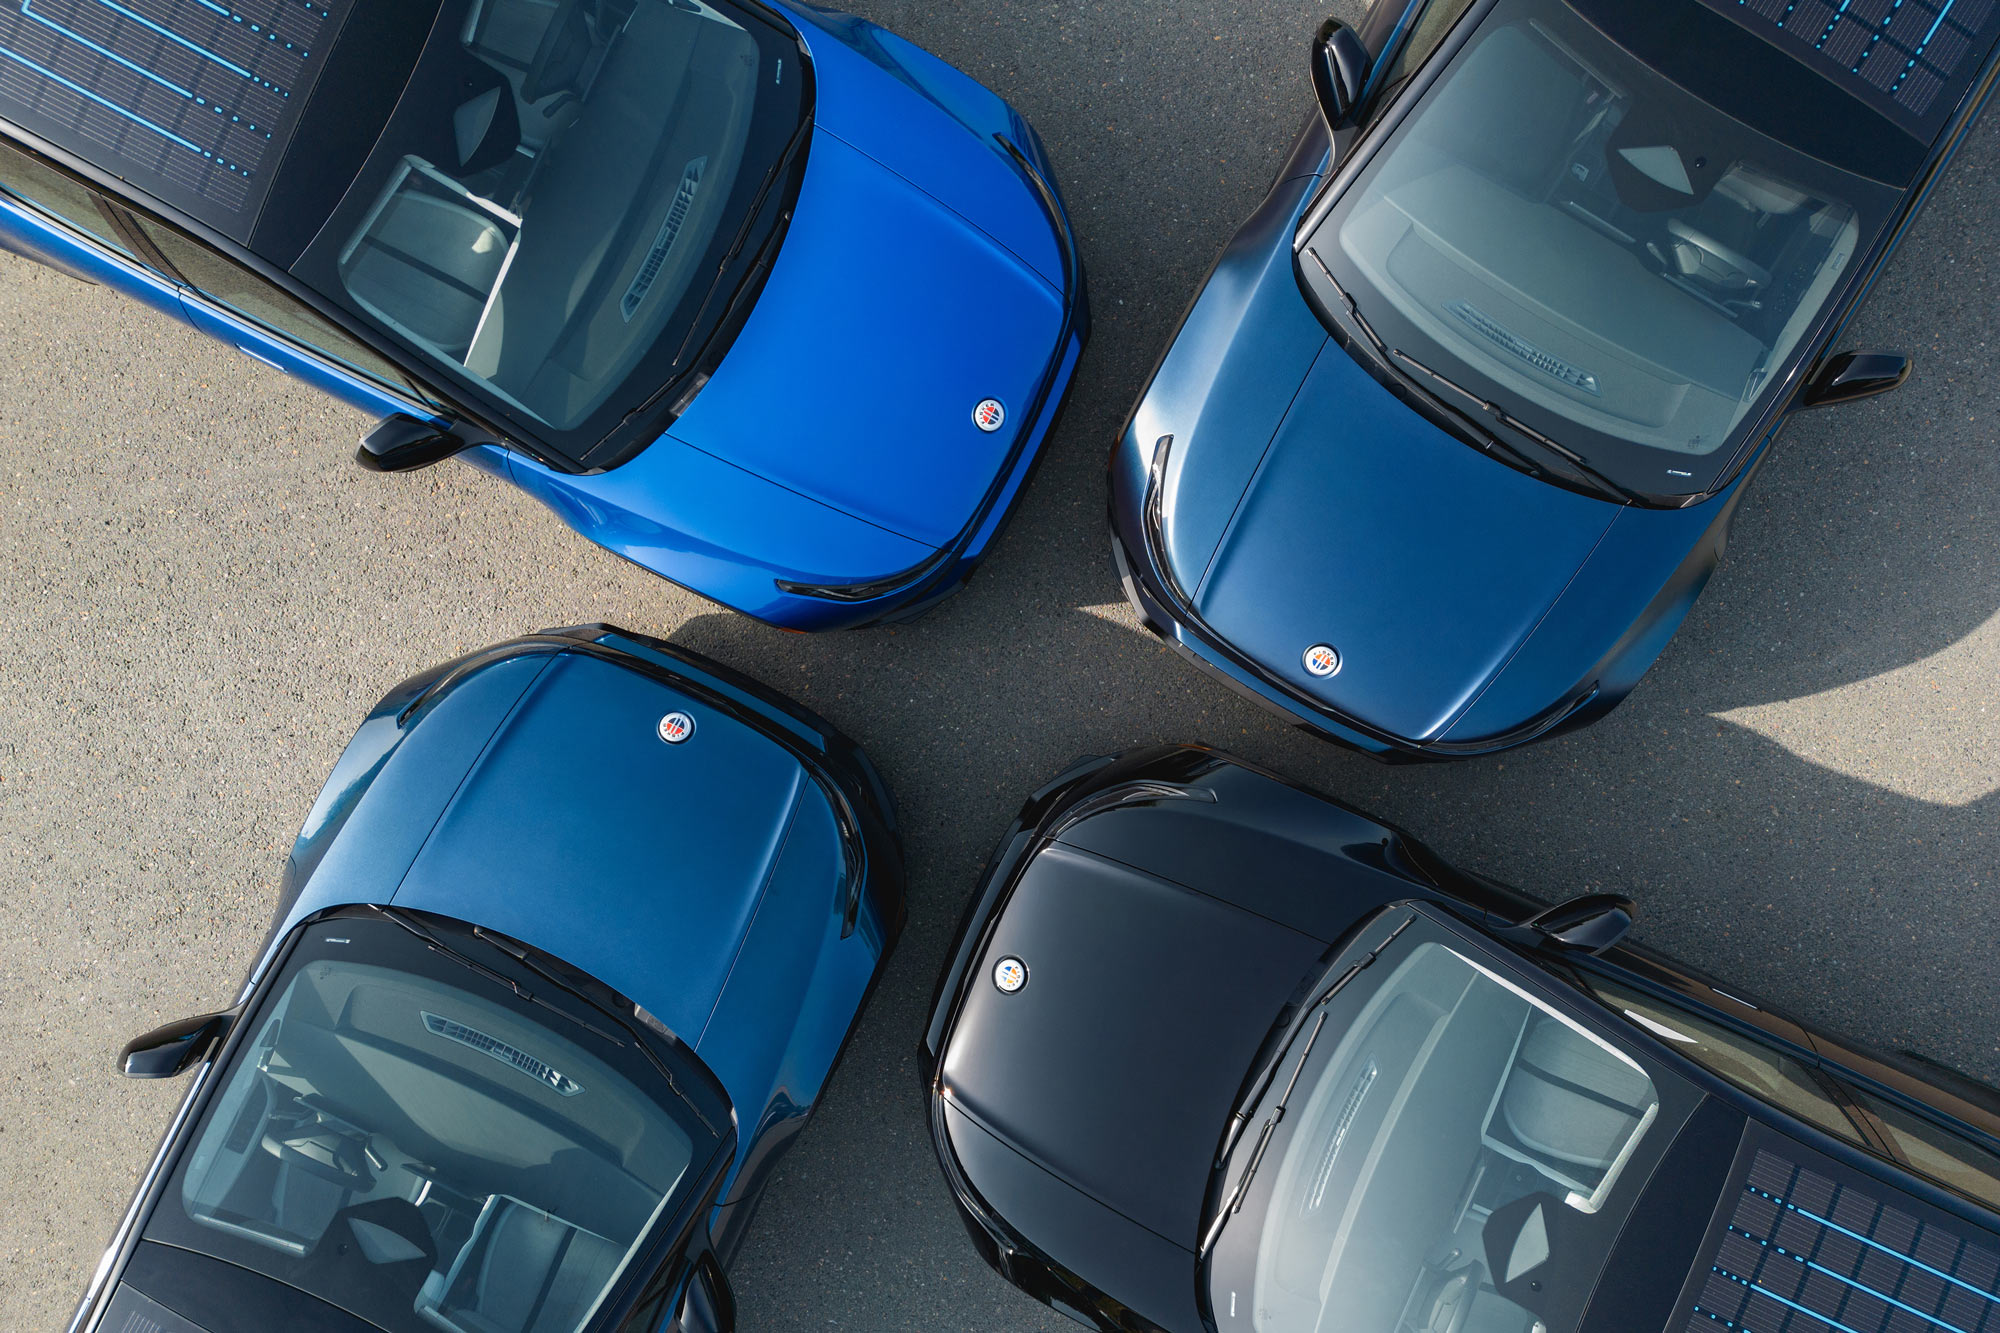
(1486, 438)
(660, 1066)
(437, 945)
(1481, 436)
(690, 352)
(1231, 1205)
(1235, 1200)
(1572, 460)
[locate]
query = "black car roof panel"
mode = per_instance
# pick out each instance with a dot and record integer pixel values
(1803, 1249)
(191, 101)
(1909, 59)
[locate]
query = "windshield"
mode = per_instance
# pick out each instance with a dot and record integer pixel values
(550, 203)
(1456, 1154)
(1612, 261)
(401, 1135)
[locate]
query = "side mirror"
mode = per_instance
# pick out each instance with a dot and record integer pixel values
(708, 1305)
(1852, 375)
(175, 1048)
(1592, 923)
(1340, 71)
(402, 443)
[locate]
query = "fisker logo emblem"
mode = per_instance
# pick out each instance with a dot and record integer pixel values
(676, 727)
(989, 416)
(1322, 660)
(1009, 975)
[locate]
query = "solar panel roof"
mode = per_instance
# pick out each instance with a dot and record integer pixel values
(1909, 59)
(192, 101)
(1806, 1252)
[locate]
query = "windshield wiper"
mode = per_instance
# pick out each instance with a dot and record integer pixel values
(1482, 435)
(1572, 460)
(1234, 1202)
(473, 964)
(690, 354)
(520, 955)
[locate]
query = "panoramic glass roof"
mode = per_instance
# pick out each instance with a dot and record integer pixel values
(1896, 55)
(190, 100)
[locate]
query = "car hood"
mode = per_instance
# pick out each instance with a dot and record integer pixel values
(1115, 1067)
(1422, 562)
(887, 318)
(643, 866)
(933, 125)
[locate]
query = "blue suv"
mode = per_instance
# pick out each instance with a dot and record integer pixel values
(765, 300)
(563, 959)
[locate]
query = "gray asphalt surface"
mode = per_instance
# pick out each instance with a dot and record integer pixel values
(201, 596)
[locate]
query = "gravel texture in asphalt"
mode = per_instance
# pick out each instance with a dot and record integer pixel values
(203, 596)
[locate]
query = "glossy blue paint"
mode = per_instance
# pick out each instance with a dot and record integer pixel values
(525, 789)
(866, 75)
(1321, 551)
(1298, 502)
(34, 236)
(798, 410)
(925, 269)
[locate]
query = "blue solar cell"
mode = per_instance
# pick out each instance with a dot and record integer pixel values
(1896, 55)
(190, 100)
(1804, 1252)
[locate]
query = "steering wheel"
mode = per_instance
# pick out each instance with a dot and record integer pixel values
(322, 1151)
(562, 53)
(1700, 256)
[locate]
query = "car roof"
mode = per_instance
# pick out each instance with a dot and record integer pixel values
(1868, 86)
(1901, 63)
(198, 103)
(1801, 1233)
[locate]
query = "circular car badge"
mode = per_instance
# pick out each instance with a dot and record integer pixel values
(989, 416)
(1010, 974)
(676, 727)
(1322, 660)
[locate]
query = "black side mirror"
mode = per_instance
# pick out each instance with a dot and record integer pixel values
(1852, 375)
(708, 1305)
(1592, 923)
(402, 443)
(1340, 71)
(175, 1048)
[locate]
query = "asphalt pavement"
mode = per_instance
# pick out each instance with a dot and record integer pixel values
(202, 596)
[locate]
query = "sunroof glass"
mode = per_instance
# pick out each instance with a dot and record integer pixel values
(1899, 56)
(190, 100)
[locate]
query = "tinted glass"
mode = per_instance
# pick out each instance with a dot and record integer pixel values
(230, 284)
(1559, 229)
(1751, 1065)
(1456, 1153)
(550, 203)
(404, 1137)
(190, 100)
(41, 186)
(1926, 1147)
(1433, 23)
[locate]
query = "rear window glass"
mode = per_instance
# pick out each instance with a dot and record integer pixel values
(190, 100)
